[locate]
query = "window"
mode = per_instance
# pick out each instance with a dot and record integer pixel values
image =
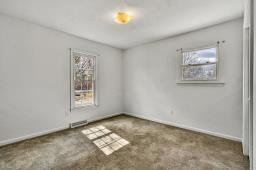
(83, 76)
(200, 64)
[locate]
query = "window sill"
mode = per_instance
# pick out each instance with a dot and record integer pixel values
(88, 107)
(201, 82)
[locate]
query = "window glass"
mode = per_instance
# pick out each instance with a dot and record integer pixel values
(83, 79)
(199, 64)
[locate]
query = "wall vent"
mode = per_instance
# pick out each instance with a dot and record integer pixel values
(77, 124)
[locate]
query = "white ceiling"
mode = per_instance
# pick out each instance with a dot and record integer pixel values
(153, 19)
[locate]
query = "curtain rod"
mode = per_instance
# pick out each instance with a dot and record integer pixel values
(218, 42)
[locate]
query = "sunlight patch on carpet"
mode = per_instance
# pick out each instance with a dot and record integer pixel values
(106, 143)
(96, 132)
(110, 143)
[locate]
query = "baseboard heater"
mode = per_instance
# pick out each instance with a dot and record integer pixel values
(77, 124)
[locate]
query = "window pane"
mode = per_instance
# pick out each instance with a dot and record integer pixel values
(202, 72)
(200, 56)
(83, 79)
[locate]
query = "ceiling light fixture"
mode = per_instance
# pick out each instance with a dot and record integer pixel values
(123, 18)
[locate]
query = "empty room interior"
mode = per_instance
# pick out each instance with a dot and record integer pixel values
(127, 84)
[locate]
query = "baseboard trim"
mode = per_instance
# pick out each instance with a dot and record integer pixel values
(30, 136)
(179, 125)
(104, 117)
(34, 135)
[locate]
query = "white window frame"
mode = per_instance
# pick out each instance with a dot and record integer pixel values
(216, 81)
(72, 89)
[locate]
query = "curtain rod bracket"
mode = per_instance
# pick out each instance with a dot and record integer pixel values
(179, 50)
(223, 41)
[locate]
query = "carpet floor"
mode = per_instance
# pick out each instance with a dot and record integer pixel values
(151, 146)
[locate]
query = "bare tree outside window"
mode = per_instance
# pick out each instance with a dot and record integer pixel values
(83, 79)
(199, 64)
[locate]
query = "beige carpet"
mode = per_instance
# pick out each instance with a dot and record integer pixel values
(151, 146)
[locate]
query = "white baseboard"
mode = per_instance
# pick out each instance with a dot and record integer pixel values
(186, 127)
(33, 135)
(245, 148)
(103, 117)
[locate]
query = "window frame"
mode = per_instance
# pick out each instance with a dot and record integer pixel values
(181, 66)
(95, 84)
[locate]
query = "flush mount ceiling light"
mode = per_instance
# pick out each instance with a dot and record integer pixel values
(123, 18)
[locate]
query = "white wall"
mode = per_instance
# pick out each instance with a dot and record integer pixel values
(35, 79)
(150, 89)
(246, 77)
